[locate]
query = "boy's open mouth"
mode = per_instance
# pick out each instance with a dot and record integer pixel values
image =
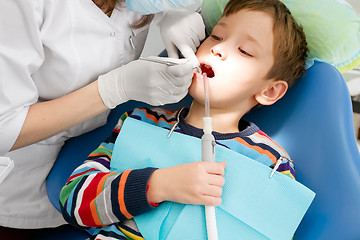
(205, 68)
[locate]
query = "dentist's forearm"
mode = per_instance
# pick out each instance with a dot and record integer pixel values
(49, 118)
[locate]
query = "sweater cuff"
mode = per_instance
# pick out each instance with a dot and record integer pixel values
(135, 192)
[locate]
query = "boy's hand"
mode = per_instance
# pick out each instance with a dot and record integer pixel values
(198, 183)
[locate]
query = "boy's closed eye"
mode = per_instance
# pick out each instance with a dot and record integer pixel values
(216, 38)
(242, 51)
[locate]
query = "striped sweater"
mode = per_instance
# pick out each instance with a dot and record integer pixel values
(105, 201)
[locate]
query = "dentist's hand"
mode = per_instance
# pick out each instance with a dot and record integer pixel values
(183, 30)
(149, 82)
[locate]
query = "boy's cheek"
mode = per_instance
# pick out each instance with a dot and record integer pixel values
(192, 86)
(193, 80)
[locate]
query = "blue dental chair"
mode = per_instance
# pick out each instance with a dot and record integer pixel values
(313, 122)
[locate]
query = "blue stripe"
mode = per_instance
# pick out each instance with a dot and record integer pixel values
(108, 146)
(70, 207)
(82, 170)
(244, 150)
(109, 231)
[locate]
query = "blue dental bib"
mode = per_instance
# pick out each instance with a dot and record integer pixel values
(254, 206)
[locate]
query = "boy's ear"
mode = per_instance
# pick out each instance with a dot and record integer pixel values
(275, 90)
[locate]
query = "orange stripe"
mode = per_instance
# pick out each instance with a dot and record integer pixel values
(266, 136)
(152, 117)
(94, 214)
(98, 154)
(99, 189)
(258, 149)
(92, 206)
(169, 112)
(101, 183)
(121, 199)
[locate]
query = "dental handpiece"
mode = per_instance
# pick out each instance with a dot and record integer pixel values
(167, 62)
(208, 155)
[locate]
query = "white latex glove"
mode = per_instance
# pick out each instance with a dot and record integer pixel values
(183, 30)
(149, 82)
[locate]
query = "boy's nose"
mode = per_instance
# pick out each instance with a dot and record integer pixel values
(218, 51)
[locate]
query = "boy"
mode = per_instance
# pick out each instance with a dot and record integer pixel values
(253, 55)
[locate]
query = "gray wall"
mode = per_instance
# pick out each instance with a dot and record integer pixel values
(355, 4)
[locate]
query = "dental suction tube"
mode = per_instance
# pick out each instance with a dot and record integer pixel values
(208, 155)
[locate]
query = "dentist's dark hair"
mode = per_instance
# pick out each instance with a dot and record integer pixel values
(108, 6)
(290, 47)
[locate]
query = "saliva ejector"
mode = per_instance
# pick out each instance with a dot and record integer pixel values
(208, 155)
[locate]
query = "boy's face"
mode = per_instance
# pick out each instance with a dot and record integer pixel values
(240, 53)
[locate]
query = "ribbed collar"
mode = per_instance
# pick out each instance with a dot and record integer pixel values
(249, 128)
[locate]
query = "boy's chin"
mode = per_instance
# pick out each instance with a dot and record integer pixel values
(196, 75)
(192, 90)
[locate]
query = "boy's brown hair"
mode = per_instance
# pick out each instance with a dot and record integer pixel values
(290, 48)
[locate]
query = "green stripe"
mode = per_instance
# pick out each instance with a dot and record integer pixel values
(124, 116)
(103, 150)
(67, 190)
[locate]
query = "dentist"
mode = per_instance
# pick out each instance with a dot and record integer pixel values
(64, 64)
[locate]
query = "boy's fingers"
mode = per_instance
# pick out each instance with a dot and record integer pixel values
(216, 180)
(215, 168)
(223, 163)
(211, 201)
(213, 191)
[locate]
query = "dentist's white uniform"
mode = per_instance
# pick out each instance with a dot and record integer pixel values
(47, 49)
